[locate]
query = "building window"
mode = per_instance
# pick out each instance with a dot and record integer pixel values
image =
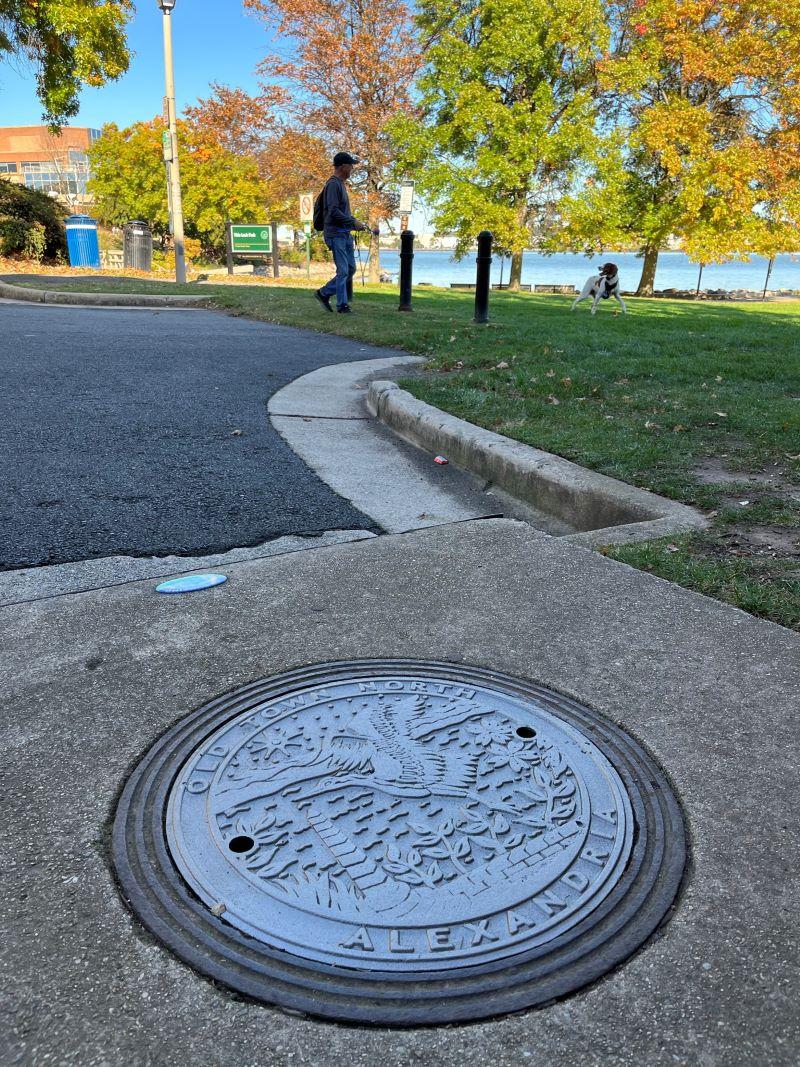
(47, 178)
(8, 168)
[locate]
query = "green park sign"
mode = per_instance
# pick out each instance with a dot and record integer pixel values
(254, 239)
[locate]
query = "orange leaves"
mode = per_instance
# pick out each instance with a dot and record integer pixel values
(349, 72)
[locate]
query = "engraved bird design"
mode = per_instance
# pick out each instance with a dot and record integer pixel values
(393, 758)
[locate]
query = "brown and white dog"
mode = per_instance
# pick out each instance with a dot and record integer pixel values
(601, 286)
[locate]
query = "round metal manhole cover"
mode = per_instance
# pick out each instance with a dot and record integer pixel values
(399, 842)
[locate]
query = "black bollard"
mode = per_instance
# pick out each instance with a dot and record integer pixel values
(406, 260)
(484, 261)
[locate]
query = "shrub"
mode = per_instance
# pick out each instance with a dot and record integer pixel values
(31, 223)
(22, 238)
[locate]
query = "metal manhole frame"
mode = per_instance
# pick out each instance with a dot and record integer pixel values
(634, 909)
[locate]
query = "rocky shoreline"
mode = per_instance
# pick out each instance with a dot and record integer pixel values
(722, 294)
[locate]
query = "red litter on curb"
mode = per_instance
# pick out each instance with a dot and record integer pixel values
(441, 460)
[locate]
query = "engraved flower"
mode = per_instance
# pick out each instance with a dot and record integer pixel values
(515, 755)
(486, 731)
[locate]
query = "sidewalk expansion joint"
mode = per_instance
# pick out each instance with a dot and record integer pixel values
(323, 418)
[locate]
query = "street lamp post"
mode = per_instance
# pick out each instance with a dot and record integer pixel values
(171, 147)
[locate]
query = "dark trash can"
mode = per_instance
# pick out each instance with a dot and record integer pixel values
(137, 244)
(82, 244)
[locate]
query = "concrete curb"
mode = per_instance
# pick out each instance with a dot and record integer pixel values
(51, 296)
(604, 511)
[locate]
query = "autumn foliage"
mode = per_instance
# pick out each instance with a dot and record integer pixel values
(128, 181)
(290, 161)
(705, 101)
(350, 71)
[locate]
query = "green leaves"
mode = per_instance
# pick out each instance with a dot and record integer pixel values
(72, 43)
(507, 109)
(128, 181)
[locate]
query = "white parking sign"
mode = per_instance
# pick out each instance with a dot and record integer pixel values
(307, 207)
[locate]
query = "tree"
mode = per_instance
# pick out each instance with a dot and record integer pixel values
(507, 110)
(128, 181)
(290, 161)
(71, 43)
(706, 94)
(351, 72)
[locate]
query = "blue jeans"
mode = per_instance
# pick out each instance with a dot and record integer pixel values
(344, 256)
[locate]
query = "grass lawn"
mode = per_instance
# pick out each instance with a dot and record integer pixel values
(698, 402)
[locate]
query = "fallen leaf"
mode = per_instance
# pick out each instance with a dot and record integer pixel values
(501, 366)
(718, 378)
(651, 425)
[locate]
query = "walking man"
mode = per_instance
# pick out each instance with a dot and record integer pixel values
(337, 233)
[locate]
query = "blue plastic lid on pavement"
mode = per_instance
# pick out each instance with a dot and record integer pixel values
(189, 583)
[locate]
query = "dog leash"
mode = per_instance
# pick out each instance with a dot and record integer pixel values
(358, 251)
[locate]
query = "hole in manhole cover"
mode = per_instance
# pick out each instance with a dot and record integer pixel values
(399, 842)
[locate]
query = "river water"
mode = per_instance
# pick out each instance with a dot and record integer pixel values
(675, 270)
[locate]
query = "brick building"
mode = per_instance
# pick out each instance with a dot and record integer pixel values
(53, 163)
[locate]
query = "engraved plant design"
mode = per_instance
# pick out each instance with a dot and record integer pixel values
(270, 839)
(551, 784)
(409, 867)
(546, 790)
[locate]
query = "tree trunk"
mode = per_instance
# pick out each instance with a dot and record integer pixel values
(521, 210)
(648, 271)
(374, 259)
(515, 276)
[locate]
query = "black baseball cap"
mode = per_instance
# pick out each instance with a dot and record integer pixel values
(343, 157)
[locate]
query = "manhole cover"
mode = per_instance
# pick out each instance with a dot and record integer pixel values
(399, 842)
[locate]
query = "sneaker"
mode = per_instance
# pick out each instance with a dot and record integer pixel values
(345, 309)
(324, 300)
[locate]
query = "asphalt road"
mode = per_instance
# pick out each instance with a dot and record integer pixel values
(146, 433)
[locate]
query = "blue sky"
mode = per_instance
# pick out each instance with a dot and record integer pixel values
(213, 40)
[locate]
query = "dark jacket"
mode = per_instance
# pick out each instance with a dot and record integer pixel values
(338, 217)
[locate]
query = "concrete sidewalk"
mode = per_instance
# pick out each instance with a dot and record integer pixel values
(92, 679)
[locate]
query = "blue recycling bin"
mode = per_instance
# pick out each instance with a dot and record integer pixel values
(82, 243)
